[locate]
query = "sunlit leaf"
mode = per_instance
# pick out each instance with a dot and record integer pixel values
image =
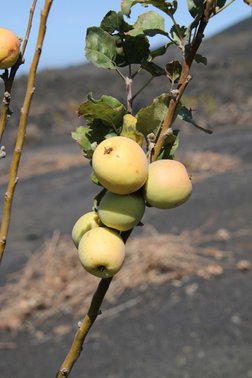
(129, 129)
(107, 109)
(150, 118)
(150, 23)
(82, 136)
(169, 7)
(195, 7)
(100, 48)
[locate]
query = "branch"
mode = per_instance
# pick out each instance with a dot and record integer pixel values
(84, 327)
(22, 129)
(191, 51)
(9, 79)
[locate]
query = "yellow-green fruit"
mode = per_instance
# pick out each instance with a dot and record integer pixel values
(168, 184)
(101, 252)
(9, 48)
(120, 165)
(121, 212)
(85, 223)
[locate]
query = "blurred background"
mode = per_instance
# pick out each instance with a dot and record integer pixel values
(181, 305)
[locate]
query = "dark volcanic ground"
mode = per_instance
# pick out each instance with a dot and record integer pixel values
(194, 328)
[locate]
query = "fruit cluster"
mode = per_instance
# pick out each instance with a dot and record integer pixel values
(130, 182)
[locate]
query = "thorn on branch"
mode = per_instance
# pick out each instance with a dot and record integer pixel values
(64, 372)
(2, 152)
(3, 240)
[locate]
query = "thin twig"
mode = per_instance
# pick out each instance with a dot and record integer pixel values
(22, 129)
(9, 79)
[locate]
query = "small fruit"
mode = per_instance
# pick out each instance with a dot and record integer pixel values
(168, 184)
(101, 252)
(120, 165)
(121, 212)
(85, 223)
(9, 48)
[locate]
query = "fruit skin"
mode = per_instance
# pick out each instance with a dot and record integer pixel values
(85, 223)
(121, 212)
(101, 252)
(9, 48)
(120, 165)
(168, 184)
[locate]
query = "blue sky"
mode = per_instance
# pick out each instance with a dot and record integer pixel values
(68, 21)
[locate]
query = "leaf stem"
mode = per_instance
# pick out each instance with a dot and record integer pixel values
(142, 88)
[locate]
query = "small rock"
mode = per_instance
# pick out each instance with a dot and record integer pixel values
(244, 265)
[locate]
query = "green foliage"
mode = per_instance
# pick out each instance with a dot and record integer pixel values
(170, 146)
(150, 23)
(104, 118)
(186, 115)
(117, 43)
(150, 118)
(195, 7)
(168, 7)
(100, 48)
(173, 70)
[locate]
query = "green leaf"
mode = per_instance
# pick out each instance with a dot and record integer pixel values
(135, 51)
(153, 69)
(150, 23)
(195, 7)
(221, 3)
(129, 129)
(170, 146)
(186, 115)
(150, 118)
(200, 59)
(179, 34)
(104, 119)
(160, 51)
(82, 136)
(173, 70)
(169, 7)
(100, 48)
(107, 109)
(114, 21)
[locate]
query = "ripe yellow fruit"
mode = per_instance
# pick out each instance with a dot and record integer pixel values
(121, 212)
(120, 165)
(168, 184)
(85, 223)
(9, 48)
(101, 252)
